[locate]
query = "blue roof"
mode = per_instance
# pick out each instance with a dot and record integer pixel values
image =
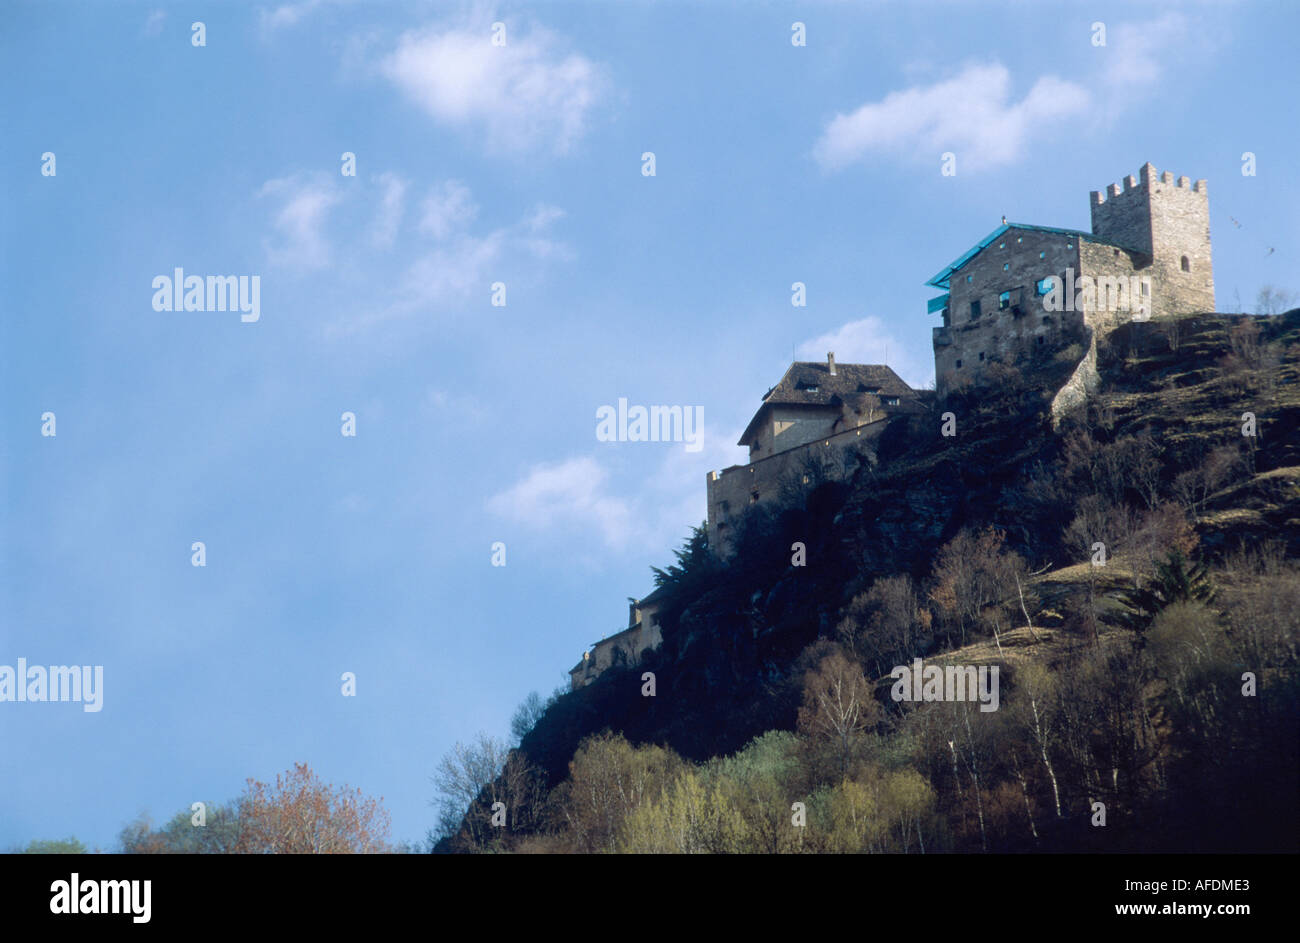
(941, 280)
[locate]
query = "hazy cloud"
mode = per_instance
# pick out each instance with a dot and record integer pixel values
(526, 95)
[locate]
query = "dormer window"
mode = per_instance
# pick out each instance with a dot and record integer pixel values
(891, 400)
(807, 388)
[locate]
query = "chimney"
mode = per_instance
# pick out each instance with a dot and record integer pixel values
(830, 362)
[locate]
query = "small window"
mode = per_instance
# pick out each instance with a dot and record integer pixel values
(1069, 245)
(1047, 322)
(1146, 289)
(753, 497)
(1002, 246)
(974, 310)
(1019, 240)
(891, 400)
(969, 278)
(1187, 264)
(1006, 266)
(958, 364)
(1041, 338)
(1004, 301)
(1042, 255)
(981, 356)
(1043, 285)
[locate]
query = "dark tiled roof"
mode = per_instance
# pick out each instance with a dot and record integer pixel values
(809, 383)
(654, 597)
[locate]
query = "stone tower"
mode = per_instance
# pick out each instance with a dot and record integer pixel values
(1169, 222)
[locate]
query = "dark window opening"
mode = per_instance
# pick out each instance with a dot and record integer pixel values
(981, 355)
(1004, 301)
(974, 310)
(1187, 265)
(958, 364)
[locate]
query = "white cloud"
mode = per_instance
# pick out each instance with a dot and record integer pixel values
(392, 206)
(153, 24)
(287, 14)
(523, 96)
(870, 341)
(455, 270)
(568, 494)
(304, 203)
(973, 115)
(976, 115)
(464, 263)
(447, 207)
(1134, 50)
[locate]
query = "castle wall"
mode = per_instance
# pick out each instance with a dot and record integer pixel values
(1161, 230)
(967, 345)
(734, 490)
(1168, 219)
(789, 427)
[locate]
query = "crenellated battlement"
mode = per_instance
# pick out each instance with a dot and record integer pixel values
(1141, 185)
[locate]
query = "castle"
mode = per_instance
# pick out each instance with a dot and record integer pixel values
(1023, 290)
(1021, 293)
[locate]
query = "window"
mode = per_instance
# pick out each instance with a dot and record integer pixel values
(1043, 285)
(981, 356)
(1004, 301)
(1146, 288)
(974, 310)
(1002, 245)
(1069, 245)
(1187, 265)
(1041, 338)
(958, 364)
(1047, 322)
(1019, 240)
(1042, 255)
(1006, 266)
(753, 497)
(891, 400)
(969, 279)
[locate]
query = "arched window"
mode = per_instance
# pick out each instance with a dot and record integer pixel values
(1187, 265)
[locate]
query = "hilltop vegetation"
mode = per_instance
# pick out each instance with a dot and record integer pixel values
(1133, 574)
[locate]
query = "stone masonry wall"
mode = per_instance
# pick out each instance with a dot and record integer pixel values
(733, 490)
(1016, 262)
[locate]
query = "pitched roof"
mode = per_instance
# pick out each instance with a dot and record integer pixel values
(941, 280)
(809, 383)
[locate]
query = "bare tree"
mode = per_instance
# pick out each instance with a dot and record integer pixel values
(838, 707)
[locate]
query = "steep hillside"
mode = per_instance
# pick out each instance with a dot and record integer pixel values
(1156, 471)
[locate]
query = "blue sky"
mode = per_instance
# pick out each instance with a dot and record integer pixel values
(478, 164)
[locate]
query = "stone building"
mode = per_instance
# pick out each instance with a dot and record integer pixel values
(1028, 290)
(643, 632)
(816, 420)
